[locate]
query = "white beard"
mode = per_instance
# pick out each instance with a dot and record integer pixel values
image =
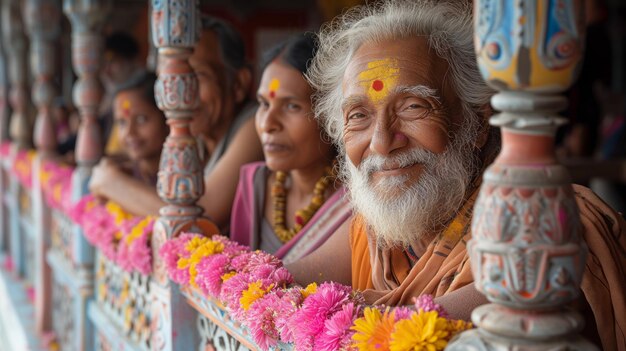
(401, 211)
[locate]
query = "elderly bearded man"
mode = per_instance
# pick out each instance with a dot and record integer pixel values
(400, 93)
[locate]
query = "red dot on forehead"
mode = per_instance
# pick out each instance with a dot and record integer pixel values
(377, 85)
(272, 94)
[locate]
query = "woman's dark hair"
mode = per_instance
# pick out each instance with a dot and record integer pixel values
(297, 51)
(122, 44)
(144, 82)
(231, 47)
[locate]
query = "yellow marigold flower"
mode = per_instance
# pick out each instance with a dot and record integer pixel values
(118, 213)
(56, 192)
(208, 248)
(373, 330)
(44, 176)
(195, 243)
(310, 289)
(253, 293)
(457, 326)
(423, 331)
(182, 263)
(138, 230)
(90, 205)
(227, 276)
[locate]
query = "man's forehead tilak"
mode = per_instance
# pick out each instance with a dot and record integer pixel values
(379, 78)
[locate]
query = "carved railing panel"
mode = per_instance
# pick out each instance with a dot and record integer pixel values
(218, 331)
(61, 232)
(125, 299)
(63, 316)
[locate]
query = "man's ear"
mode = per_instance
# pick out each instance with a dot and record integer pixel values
(484, 113)
(243, 79)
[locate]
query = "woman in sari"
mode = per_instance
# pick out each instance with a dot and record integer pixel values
(291, 203)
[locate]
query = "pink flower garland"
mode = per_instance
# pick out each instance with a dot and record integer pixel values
(23, 166)
(120, 237)
(260, 294)
(5, 149)
(56, 184)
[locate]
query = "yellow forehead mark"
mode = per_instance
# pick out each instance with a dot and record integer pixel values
(379, 78)
(126, 106)
(273, 87)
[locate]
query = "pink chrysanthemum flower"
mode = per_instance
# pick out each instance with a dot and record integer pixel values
(232, 290)
(140, 252)
(426, 303)
(261, 319)
(210, 272)
(403, 312)
(231, 248)
(239, 263)
(309, 320)
(290, 302)
(171, 252)
(337, 334)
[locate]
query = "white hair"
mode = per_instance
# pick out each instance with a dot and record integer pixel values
(446, 23)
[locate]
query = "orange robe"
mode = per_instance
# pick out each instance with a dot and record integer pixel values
(386, 277)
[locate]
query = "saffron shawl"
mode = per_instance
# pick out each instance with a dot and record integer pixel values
(247, 216)
(445, 267)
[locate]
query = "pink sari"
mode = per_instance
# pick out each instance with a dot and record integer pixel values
(247, 215)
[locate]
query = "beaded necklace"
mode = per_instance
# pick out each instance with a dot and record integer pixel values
(303, 215)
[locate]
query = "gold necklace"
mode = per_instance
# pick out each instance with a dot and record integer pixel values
(304, 215)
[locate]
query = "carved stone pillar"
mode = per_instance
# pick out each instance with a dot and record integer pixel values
(4, 136)
(526, 250)
(16, 47)
(42, 19)
(43, 25)
(87, 18)
(4, 88)
(175, 29)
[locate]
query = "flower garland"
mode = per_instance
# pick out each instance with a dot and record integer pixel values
(56, 184)
(260, 294)
(5, 149)
(121, 237)
(23, 166)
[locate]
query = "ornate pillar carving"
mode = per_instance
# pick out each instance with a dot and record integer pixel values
(4, 136)
(87, 18)
(16, 46)
(175, 30)
(42, 19)
(43, 25)
(526, 250)
(4, 111)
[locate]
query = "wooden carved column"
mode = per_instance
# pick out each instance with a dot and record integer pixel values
(526, 250)
(4, 89)
(175, 30)
(16, 47)
(4, 137)
(43, 24)
(42, 19)
(87, 18)
(19, 125)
